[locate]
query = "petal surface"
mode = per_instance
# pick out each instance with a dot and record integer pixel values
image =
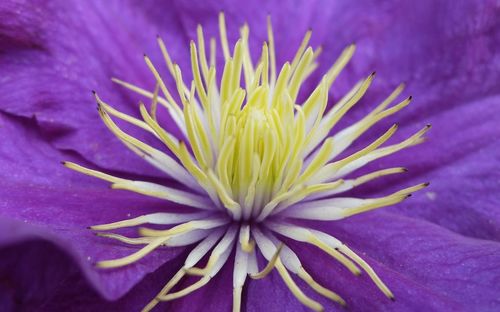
(49, 203)
(426, 266)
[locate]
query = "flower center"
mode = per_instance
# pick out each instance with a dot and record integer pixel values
(251, 160)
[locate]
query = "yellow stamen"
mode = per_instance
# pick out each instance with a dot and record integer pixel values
(183, 228)
(318, 288)
(368, 269)
(377, 174)
(154, 102)
(384, 201)
(120, 224)
(246, 243)
(203, 271)
(172, 104)
(270, 265)
(136, 256)
(335, 254)
(186, 291)
(223, 36)
(302, 48)
(93, 173)
(110, 110)
(304, 299)
(237, 299)
(165, 290)
(201, 53)
(272, 49)
(126, 240)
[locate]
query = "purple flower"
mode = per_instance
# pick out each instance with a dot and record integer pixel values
(436, 251)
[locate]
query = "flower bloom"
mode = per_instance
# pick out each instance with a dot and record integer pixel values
(435, 252)
(253, 162)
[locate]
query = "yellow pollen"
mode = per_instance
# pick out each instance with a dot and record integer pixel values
(249, 158)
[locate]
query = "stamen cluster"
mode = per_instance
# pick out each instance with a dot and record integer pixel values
(251, 160)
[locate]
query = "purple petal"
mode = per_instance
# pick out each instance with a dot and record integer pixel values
(55, 281)
(75, 294)
(427, 267)
(57, 205)
(460, 159)
(72, 48)
(447, 54)
(464, 174)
